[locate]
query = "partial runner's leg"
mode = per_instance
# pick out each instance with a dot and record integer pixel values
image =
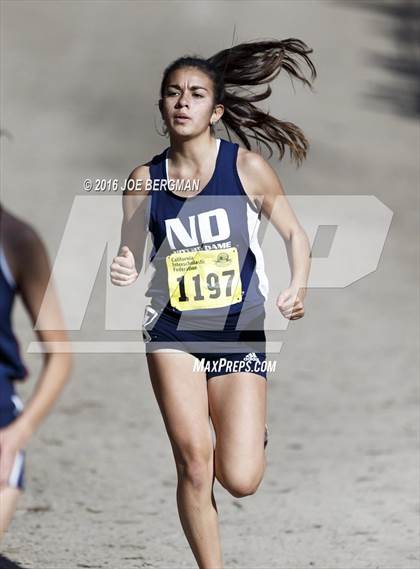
(8, 501)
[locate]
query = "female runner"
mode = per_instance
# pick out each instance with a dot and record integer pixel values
(25, 271)
(209, 285)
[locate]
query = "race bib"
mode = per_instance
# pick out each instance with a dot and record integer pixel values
(204, 279)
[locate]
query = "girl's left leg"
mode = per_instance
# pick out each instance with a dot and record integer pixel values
(237, 405)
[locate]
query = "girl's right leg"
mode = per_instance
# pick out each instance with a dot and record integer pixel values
(181, 394)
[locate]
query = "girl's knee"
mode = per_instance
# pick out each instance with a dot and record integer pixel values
(240, 480)
(195, 464)
(241, 486)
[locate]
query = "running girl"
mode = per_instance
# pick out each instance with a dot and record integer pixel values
(209, 285)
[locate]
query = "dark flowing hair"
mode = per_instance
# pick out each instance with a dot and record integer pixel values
(247, 64)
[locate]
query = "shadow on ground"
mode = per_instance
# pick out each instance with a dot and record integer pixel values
(400, 22)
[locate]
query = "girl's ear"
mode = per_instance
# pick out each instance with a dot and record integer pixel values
(217, 113)
(160, 105)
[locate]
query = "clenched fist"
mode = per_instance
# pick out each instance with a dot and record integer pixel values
(290, 303)
(123, 268)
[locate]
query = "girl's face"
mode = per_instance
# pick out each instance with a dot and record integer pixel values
(187, 105)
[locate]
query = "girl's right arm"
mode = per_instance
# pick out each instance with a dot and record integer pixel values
(126, 266)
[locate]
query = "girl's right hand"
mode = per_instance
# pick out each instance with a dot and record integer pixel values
(123, 268)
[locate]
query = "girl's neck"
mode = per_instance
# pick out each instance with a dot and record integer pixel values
(193, 151)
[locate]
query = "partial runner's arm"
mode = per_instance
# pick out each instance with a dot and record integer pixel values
(31, 270)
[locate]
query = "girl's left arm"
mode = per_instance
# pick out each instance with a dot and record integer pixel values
(263, 186)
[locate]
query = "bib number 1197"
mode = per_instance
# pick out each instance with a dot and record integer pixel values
(204, 279)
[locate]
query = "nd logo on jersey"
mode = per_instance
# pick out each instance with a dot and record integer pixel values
(202, 278)
(175, 228)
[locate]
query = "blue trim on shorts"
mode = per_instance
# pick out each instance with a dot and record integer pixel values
(243, 355)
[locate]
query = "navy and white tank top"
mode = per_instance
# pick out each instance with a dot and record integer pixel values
(206, 256)
(11, 364)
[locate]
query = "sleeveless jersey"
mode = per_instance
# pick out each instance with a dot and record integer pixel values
(206, 256)
(11, 365)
